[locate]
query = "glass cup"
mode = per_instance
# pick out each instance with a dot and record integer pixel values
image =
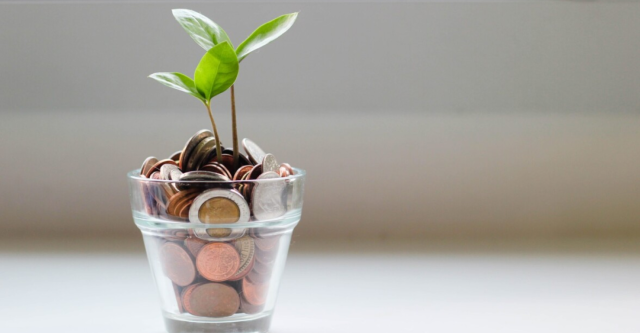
(217, 249)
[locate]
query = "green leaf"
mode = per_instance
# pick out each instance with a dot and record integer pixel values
(204, 32)
(265, 34)
(178, 81)
(217, 70)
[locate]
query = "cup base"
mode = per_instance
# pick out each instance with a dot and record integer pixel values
(260, 324)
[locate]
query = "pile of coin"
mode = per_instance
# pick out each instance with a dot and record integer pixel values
(215, 202)
(217, 272)
(219, 279)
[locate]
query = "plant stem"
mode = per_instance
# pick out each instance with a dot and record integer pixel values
(234, 127)
(215, 133)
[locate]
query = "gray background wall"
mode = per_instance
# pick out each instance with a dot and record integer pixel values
(428, 120)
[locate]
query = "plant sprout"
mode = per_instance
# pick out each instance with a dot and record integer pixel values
(208, 35)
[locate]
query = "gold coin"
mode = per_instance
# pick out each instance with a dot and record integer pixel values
(219, 210)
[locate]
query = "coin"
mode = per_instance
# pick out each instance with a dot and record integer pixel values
(267, 243)
(242, 171)
(262, 269)
(254, 152)
(190, 145)
(288, 167)
(158, 165)
(178, 292)
(212, 300)
(283, 172)
(267, 200)
(217, 261)
(200, 153)
(217, 168)
(255, 172)
(165, 171)
(246, 250)
(177, 199)
(201, 175)
(177, 264)
(253, 293)
(242, 160)
(176, 156)
(194, 245)
(147, 164)
(266, 257)
(249, 308)
(219, 206)
(269, 163)
(257, 278)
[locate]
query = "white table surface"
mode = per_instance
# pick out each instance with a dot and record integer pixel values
(351, 288)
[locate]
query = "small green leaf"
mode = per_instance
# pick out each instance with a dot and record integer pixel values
(265, 34)
(217, 70)
(204, 32)
(178, 81)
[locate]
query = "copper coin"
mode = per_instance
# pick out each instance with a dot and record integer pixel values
(179, 206)
(267, 243)
(194, 245)
(266, 257)
(177, 199)
(147, 164)
(212, 300)
(184, 210)
(178, 292)
(254, 293)
(242, 159)
(242, 171)
(158, 165)
(186, 294)
(175, 235)
(255, 172)
(190, 145)
(217, 168)
(177, 264)
(262, 269)
(202, 151)
(248, 308)
(176, 156)
(283, 172)
(288, 167)
(227, 161)
(246, 250)
(218, 261)
(258, 278)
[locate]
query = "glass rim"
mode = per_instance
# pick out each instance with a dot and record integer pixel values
(289, 220)
(135, 176)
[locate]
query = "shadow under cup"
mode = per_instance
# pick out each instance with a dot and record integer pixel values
(220, 277)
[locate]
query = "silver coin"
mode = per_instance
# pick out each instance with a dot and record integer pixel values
(237, 199)
(267, 198)
(269, 163)
(175, 174)
(255, 153)
(191, 145)
(203, 175)
(165, 171)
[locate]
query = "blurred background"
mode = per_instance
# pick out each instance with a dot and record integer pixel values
(418, 123)
(421, 120)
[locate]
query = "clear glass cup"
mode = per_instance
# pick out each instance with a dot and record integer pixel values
(219, 276)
